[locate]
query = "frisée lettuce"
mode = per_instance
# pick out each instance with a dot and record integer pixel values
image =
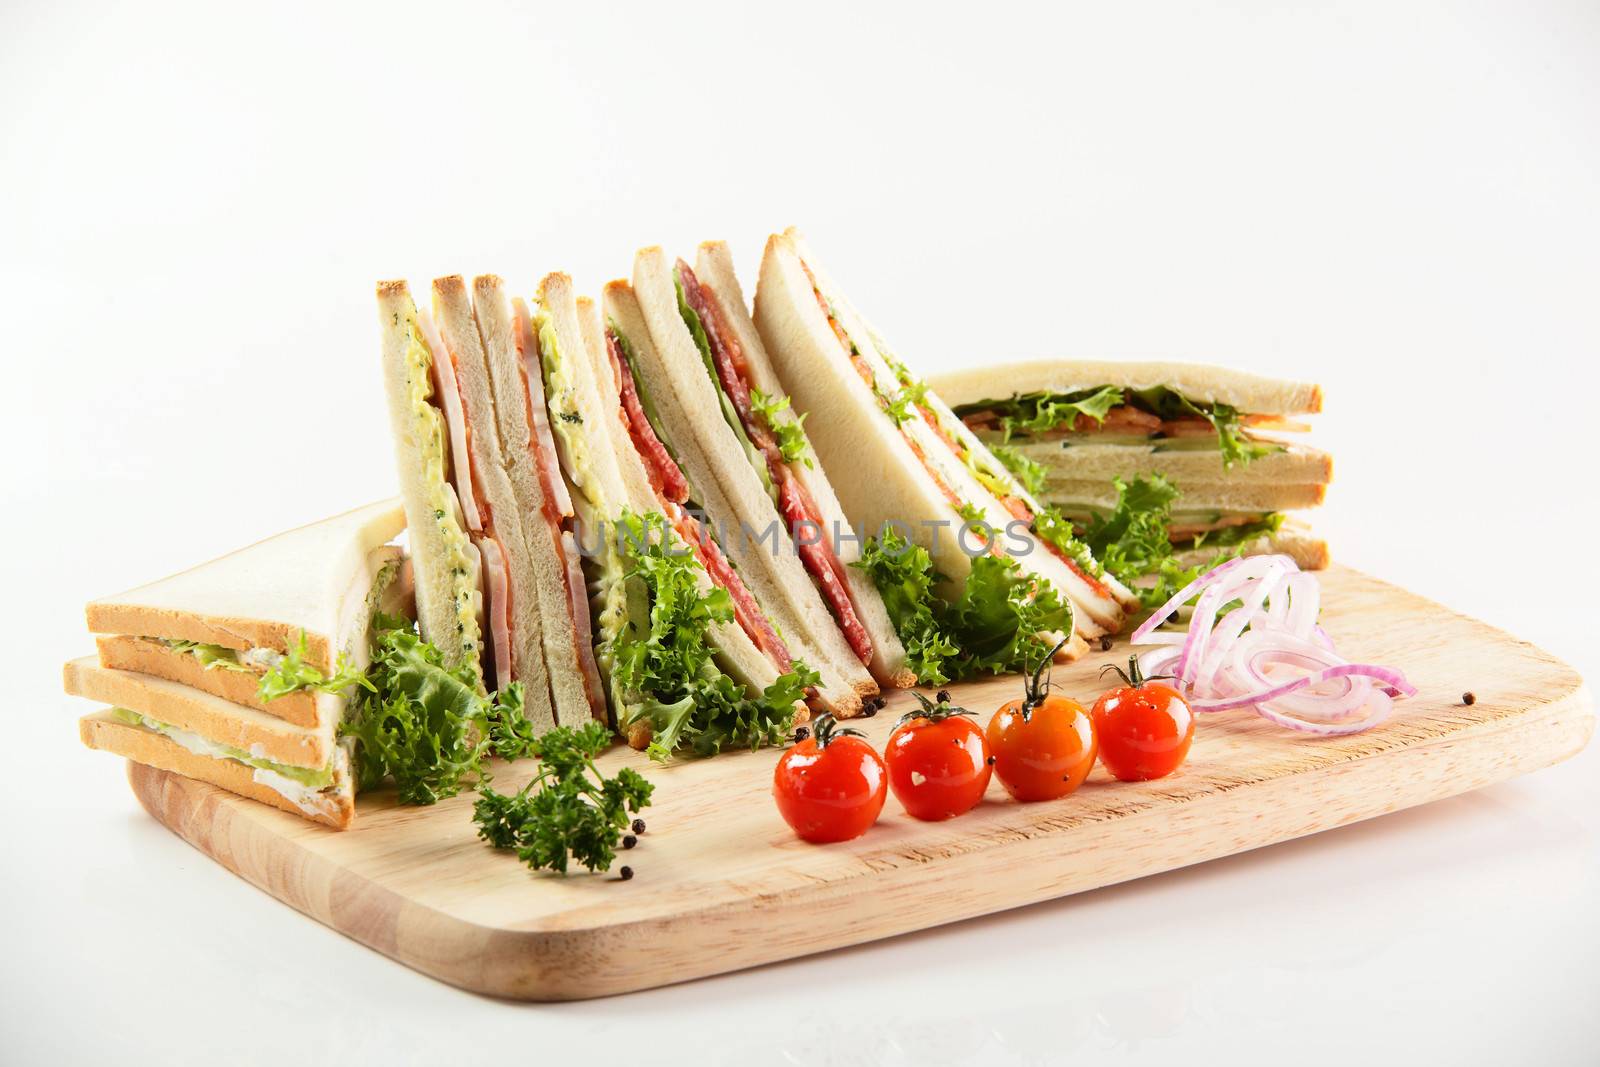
(996, 624)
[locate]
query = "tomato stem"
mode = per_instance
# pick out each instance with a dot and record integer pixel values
(1034, 694)
(933, 712)
(825, 728)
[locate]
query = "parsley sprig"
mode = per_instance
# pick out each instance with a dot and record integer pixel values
(567, 811)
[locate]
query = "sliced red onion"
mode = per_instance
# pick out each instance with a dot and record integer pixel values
(1224, 658)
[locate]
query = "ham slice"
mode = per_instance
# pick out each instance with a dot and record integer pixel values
(497, 612)
(541, 440)
(582, 627)
(448, 393)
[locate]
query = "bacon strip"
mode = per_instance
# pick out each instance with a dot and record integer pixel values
(799, 510)
(746, 611)
(448, 393)
(665, 475)
(672, 490)
(816, 552)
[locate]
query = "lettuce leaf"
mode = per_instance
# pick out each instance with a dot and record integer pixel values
(994, 626)
(1231, 440)
(790, 435)
(211, 657)
(1036, 413)
(427, 726)
(1133, 543)
(292, 673)
(665, 674)
(1028, 472)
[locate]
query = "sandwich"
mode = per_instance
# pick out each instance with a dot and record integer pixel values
(498, 578)
(900, 460)
(688, 655)
(1079, 429)
(238, 672)
(722, 413)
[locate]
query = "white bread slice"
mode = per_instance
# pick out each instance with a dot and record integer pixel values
(1251, 394)
(497, 328)
(335, 806)
(880, 479)
(1294, 540)
(1080, 458)
(449, 605)
(737, 654)
(503, 517)
(714, 266)
(731, 492)
(263, 736)
(265, 595)
(1072, 494)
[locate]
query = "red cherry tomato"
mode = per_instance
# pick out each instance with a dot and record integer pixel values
(938, 761)
(1044, 744)
(831, 786)
(1144, 727)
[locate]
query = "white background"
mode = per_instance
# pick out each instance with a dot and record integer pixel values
(1401, 201)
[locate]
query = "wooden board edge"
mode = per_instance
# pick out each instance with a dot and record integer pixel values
(602, 960)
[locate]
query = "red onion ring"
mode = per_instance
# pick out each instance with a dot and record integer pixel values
(1222, 660)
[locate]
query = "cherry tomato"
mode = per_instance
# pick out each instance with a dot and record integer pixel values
(832, 785)
(938, 761)
(1144, 727)
(1044, 744)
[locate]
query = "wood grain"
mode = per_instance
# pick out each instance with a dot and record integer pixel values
(721, 883)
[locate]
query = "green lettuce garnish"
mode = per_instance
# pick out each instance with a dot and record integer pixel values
(292, 673)
(1051, 527)
(790, 435)
(1231, 439)
(1028, 472)
(211, 657)
(1133, 543)
(994, 626)
(1036, 413)
(662, 667)
(427, 726)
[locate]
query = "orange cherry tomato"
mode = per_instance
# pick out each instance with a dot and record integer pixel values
(938, 761)
(1044, 744)
(1144, 727)
(831, 786)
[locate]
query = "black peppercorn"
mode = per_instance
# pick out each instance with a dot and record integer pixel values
(638, 826)
(801, 733)
(628, 840)
(1469, 697)
(625, 873)
(944, 696)
(1105, 643)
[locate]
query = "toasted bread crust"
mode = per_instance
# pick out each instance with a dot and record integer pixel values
(211, 717)
(336, 807)
(147, 656)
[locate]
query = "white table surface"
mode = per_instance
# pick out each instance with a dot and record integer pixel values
(1396, 200)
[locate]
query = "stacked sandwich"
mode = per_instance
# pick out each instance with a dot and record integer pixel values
(1203, 443)
(238, 672)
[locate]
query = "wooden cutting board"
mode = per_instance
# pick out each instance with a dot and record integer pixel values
(720, 882)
